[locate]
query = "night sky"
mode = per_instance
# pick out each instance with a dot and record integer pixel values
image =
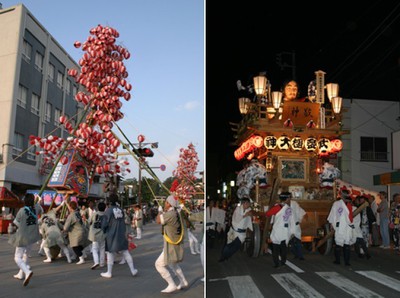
(357, 46)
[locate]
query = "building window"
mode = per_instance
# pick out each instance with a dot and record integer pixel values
(26, 51)
(39, 61)
(35, 106)
(31, 153)
(22, 96)
(60, 78)
(57, 115)
(68, 87)
(74, 91)
(51, 72)
(18, 144)
(47, 115)
(374, 149)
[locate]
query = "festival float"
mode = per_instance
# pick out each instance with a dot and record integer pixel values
(291, 146)
(91, 146)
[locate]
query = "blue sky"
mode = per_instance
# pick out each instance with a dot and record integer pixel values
(166, 67)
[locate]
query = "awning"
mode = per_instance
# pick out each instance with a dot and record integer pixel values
(9, 199)
(391, 178)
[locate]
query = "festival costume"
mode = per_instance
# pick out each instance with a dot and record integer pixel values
(172, 253)
(341, 219)
(113, 225)
(282, 230)
(76, 234)
(26, 235)
(98, 238)
(139, 223)
(50, 230)
(237, 232)
(297, 216)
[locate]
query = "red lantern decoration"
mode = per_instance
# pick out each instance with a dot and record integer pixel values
(337, 145)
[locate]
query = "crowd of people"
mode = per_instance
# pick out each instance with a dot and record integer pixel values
(104, 231)
(356, 223)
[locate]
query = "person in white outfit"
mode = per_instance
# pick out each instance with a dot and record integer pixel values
(298, 214)
(241, 221)
(138, 218)
(51, 228)
(26, 235)
(172, 253)
(282, 228)
(97, 236)
(341, 220)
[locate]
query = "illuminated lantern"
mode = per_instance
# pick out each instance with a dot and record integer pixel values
(270, 142)
(337, 145)
(268, 164)
(311, 144)
(324, 145)
(297, 143)
(283, 143)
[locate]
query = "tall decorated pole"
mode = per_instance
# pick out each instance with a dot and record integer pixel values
(91, 145)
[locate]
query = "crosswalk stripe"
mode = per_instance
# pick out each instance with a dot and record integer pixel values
(295, 286)
(290, 264)
(347, 285)
(241, 286)
(382, 279)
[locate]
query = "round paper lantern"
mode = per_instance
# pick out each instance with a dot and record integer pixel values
(297, 143)
(324, 145)
(311, 144)
(270, 142)
(283, 143)
(337, 145)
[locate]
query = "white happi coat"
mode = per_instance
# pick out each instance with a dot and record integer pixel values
(297, 216)
(210, 218)
(283, 225)
(339, 218)
(239, 225)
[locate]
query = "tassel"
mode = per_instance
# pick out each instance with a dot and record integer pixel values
(288, 123)
(310, 124)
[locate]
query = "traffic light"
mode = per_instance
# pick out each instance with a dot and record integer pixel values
(145, 152)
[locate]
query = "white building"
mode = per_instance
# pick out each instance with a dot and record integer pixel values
(35, 90)
(367, 150)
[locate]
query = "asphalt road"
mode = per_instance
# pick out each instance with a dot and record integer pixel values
(316, 276)
(60, 279)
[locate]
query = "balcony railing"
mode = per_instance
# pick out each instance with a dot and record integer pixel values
(373, 156)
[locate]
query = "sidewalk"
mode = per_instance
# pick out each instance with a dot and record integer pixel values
(60, 279)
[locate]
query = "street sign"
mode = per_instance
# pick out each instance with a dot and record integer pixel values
(163, 167)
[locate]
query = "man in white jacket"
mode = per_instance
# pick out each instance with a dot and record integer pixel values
(297, 216)
(241, 221)
(341, 219)
(282, 228)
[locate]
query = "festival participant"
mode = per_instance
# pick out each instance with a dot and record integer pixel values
(51, 228)
(113, 225)
(26, 235)
(97, 236)
(76, 234)
(241, 221)
(138, 218)
(282, 228)
(172, 253)
(359, 241)
(211, 223)
(341, 220)
(298, 214)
